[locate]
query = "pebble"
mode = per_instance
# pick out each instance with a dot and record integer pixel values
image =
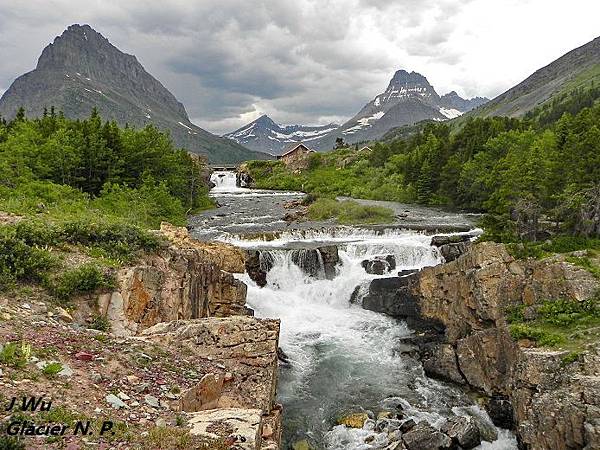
(66, 371)
(26, 306)
(115, 401)
(84, 356)
(161, 422)
(123, 396)
(134, 403)
(151, 401)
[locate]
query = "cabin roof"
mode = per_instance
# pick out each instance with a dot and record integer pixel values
(293, 147)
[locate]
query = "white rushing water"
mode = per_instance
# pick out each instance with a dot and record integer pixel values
(343, 358)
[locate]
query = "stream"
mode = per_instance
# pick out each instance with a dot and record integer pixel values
(343, 359)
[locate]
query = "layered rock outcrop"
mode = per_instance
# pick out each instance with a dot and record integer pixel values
(552, 406)
(186, 279)
(184, 298)
(240, 401)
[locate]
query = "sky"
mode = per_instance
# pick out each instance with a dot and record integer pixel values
(307, 61)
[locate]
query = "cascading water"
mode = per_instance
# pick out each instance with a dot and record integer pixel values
(342, 358)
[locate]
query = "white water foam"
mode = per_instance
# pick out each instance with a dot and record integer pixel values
(342, 356)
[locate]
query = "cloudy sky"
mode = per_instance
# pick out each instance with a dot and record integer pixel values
(307, 61)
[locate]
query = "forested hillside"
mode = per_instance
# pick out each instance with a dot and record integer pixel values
(91, 169)
(532, 176)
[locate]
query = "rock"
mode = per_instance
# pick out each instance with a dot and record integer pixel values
(393, 296)
(463, 431)
(242, 425)
(317, 262)
(64, 315)
(255, 268)
(282, 357)
(450, 252)
(115, 401)
(123, 396)
(331, 259)
(184, 282)
(84, 356)
(500, 411)
(438, 241)
(151, 401)
(247, 346)
(302, 445)
(379, 264)
(66, 371)
(5, 316)
(424, 437)
(356, 420)
(160, 422)
(205, 395)
(267, 432)
(407, 425)
(26, 306)
(440, 362)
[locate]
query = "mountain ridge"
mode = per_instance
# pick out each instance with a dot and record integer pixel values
(81, 70)
(409, 98)
(264, 134)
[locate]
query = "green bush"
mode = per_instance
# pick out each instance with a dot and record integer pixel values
(15, 354)
(81, 280)
(540, 336)
(11, 443)
(116, 239)
(100, 323)
(21, 262)
(565, 313)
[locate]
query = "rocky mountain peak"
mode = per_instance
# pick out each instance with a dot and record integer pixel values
(81, 70)
(265, 121)
(404, 78)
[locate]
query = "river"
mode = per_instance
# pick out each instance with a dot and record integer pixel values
(343, 358)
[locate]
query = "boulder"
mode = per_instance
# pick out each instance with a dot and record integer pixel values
(450, 252)
(438, 241)
(205, 395)
(244, 426)
(255, 271)
(356, 420)
(463, 431)
(500, 411)
(379, 264)
(424, 437)
(393, 296)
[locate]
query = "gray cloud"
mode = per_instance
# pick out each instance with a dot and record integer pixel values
(300, 61)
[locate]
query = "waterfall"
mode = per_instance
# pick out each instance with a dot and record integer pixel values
(225, 181)
(344, 358)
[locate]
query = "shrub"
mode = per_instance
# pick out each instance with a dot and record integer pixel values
(100, 323)
(81, 280)
(11, 443)
(15, 354)
(565, 313)
(22, 262)
(117, 240)
(540, 336)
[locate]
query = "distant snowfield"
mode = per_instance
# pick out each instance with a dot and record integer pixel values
(450, 113)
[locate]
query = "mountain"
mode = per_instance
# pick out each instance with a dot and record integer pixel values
(408, 99)
(81, 69)
(576, 68)
(265, 135)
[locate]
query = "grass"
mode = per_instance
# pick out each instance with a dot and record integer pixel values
(349, 212)
(558, 244)
(52, 369)
(570, 325)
